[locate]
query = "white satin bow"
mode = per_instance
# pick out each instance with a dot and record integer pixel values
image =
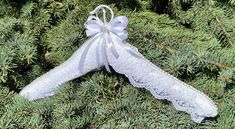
(116, 25)
(113, 32)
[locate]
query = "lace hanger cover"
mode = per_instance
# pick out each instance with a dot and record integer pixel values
(107, 47)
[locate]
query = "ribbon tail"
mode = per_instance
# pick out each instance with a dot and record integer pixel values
(84, 54)
(106, 64)
(130, 50)
(99, 51)
(111, 46)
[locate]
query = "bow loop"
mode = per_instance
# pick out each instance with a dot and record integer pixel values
(118, 26)
(93, 25)
(119, 23)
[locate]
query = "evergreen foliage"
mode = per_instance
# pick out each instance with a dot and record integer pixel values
(194, 40)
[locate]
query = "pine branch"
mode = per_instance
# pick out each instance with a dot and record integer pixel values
(185, 40)
(224, 36)
(232, 2)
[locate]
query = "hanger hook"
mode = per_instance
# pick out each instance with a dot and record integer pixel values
(103, 7)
